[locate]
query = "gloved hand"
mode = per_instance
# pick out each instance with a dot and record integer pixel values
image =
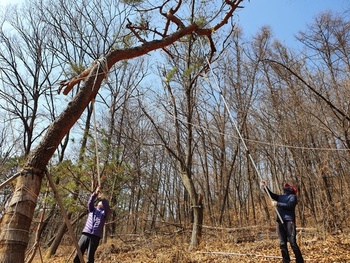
(98, 190)
(274, 203)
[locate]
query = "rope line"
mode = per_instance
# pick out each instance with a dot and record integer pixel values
(26, 189)
(96, 146)
(235, 125)
(274, 145)
(278, 145)
(17, 229)
(241, 254)
(65, 216)
(246, 254)
(101, 63)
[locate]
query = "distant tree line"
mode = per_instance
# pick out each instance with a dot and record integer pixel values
(168, 150)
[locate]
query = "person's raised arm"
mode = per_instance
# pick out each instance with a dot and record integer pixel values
(105, 203)
(273, 195)
(92, 199)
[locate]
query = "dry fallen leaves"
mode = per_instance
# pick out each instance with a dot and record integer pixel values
(213, 248)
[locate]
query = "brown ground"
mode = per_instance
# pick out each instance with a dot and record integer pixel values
(218, 247)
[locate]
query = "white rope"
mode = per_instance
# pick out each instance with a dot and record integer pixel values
(96, 146)
(245, 255)
(235, 125)
(101, 63)
(274, 145)
(240, 254)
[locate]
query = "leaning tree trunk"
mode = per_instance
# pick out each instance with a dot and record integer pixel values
(16, 222)
(63, 227)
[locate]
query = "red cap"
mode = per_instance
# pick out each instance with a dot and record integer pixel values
(292, 187)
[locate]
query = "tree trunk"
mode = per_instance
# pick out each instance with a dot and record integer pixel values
(15, 223)
(60, 233)
(63, 228)
(197, 210)
(197, 223)
(57, 241)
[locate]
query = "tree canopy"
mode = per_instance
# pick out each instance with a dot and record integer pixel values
(169, 155)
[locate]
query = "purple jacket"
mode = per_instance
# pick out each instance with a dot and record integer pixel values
(97, 217)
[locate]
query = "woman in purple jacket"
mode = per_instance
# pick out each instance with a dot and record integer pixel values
(286, 230)
(93, 229)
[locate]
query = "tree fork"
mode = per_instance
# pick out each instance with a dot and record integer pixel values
(15, 223)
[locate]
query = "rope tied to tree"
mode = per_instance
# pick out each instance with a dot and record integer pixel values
(27, 190)
(24, 172)
(101, 63)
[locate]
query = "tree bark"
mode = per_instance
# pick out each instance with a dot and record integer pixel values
(15, 224)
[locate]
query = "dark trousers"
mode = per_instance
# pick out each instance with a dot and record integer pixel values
(287, 233)
(90, 243)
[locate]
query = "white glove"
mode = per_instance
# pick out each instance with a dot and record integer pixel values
(274, 203)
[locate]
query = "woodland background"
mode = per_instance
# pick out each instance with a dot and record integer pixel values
(290, 106)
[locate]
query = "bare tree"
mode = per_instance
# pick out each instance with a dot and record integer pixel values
(79, 37)
(18, 216)
(25, 65)
(306, 109)
(181, 87)
(327, 42)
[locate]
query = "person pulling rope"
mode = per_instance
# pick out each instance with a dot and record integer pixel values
(286, 229)
(283, 203)
(93, 230)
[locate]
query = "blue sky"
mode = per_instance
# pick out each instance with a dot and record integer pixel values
(285, 17)
(6, 2)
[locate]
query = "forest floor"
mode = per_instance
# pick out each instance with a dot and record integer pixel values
(219, 247)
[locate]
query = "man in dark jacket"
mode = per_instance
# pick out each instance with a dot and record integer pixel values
(286, 230)
(93, 229)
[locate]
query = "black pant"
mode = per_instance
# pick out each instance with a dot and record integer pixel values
(89, 242)
(287, 233)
